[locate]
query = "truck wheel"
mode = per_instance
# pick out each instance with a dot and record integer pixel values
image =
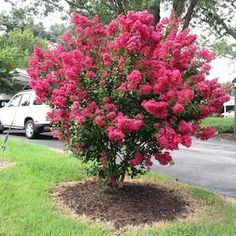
(1, 128)
(30, 130)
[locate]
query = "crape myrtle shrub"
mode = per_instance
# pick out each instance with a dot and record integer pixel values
(126, 93)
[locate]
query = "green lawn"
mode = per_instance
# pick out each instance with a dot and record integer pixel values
(221, 124)
(26, 209)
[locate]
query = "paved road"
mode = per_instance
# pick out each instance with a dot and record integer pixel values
(43, 139)
(210, 164)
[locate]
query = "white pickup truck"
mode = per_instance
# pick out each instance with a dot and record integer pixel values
(24, 112)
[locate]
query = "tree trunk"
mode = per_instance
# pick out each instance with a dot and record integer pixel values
(155, 10)
(178, 8)
(189, 13)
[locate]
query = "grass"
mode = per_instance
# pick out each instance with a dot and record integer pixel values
(26, 209)
(221, 124)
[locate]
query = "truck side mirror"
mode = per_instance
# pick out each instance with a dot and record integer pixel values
(4, 104)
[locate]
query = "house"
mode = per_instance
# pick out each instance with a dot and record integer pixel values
(22, 77)
(229, 105)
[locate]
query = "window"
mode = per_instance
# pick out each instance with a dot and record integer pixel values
(15, 101)
(37, 102)
(25, 99)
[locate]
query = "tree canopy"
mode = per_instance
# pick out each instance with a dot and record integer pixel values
(215, 18)
(15, 49)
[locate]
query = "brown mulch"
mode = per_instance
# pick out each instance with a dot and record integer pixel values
(228, 136)
(137, 203)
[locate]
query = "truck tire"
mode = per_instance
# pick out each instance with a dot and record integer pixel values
(30, 129)
(1, 128)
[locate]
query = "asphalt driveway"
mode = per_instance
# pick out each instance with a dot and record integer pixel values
(210, 164)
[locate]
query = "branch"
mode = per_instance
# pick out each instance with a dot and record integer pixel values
(228, 57)
(81, 7)
(189, 13)
(228, 30)
(178, 7)
(114, 6)
(107, 5)
(126, 5)
(221, 22)
(120, 6)
(56, 6)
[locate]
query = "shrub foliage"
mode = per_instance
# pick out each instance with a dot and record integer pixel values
(126, 93)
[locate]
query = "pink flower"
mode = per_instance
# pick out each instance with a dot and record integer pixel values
(79, 146)
(106, 59)
(98, 111)
(127, 125)
(185, 128)
(110, 106)
(139, 116)
(185, 96)
(105, 99)
(145, 89)
(176, 76)
(122, 64)
(111, 115)
(112, 28)
(164, 158)
(104, 74)
(102, 82)
(206, 133)
(67, 38)
(90, 74)
(157, 109)
(186, 141)
(100, 121)
(161, 85)
(178, 108)
(168, 138)
(122, 88)
(206, 54)
(148, 164)
(206, 68)
(38, 52)
(204, 89)
(134, 79)
(137, 159)
(115, 134)
(134, 43)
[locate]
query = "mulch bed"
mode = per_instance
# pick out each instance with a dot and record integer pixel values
(228, 136)
(137, 203)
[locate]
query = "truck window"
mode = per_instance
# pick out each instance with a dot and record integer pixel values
(15, 101)
(35, 102)
(25, 99)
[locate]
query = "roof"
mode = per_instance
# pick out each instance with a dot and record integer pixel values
(230, 102)
(20, 75)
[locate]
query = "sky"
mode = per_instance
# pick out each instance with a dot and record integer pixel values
(222, 68)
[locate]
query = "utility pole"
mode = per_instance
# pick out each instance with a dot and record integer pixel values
(234, 86)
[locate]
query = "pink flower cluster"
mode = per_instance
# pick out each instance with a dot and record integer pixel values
(129, 87)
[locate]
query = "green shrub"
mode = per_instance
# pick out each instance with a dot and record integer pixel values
(221, 124)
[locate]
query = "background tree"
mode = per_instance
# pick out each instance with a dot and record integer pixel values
(15, 49)
(214, 17)
(21, 20)
(15, 19)
(55, 32)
